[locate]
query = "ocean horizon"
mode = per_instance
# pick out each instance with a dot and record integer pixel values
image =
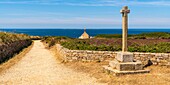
(75, 33)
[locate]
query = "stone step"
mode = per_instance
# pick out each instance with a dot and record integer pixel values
(129, 66)
(117, 72)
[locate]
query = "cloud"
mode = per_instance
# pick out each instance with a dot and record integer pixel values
(18, 2)
(90, 2)
(49, 20)
(83, 21)
(59, 22)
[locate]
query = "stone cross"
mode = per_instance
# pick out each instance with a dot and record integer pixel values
(123, 62)
(124, 13)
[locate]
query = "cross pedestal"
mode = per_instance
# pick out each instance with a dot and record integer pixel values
(123, 62)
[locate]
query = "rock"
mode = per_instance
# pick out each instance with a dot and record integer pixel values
(149, 63)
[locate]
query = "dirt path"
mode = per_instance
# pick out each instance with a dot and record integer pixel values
(39, 67)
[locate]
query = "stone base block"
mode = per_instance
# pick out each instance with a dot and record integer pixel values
(124, 57)
(139, 66)
(128, 66)
(117, 72)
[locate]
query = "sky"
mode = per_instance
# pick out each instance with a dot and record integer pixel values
(83, 13)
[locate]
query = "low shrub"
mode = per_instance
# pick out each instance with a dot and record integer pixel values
(11, 44)
(155, 35)
(136, 43)
(154, 48)
(152, 35)
(7, 51)
(6, 38)
(108, 36)
(52, 40)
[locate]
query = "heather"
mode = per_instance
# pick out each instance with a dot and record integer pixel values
(153, 35)
(134, 45)
(11, 44)
(145, 42)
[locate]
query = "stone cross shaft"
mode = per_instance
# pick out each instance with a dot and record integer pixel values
(124, 13)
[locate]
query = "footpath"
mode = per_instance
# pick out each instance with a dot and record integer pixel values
(40, 67)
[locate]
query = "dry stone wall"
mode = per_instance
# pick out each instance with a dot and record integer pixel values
(156, 58)
(86, 55)
(83, 55)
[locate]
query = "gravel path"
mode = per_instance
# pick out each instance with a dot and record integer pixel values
(39, 67)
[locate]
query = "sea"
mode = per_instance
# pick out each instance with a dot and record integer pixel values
(75, 33)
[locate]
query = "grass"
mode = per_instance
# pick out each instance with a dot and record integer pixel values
(12, 37)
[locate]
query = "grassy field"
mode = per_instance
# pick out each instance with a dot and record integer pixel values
(153, 42)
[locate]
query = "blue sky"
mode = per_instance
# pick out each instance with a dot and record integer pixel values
(83, 13)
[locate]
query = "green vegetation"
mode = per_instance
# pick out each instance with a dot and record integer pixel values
(52, 40)
(85, 45)
(153, 48)
(154, 35)
(108, 36)
(11, 44)
(11, 37)
(151, 42)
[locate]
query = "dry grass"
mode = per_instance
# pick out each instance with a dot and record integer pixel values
(159, 75)
(53, 51)
(15, 59)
